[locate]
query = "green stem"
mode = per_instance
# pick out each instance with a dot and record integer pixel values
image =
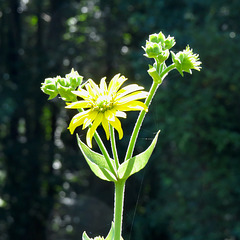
(105, 153)
(142, 114)
(114, 147)
(118, 208)
(103, 150)
(166, 70)
(138, 124)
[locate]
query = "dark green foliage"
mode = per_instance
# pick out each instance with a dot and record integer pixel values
(190, 188)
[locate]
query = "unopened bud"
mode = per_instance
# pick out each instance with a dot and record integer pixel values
(169, 42)
(163, 56)
(152, 49)
(49, 88)
(74, 79)
(161, 38)
(66, 93)
(153, 38)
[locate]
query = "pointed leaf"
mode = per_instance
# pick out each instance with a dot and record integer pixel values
(110, 235)
(96, 162)
(138, 162)
(85, 236)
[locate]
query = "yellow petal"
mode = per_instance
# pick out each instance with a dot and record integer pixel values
(121, 114)
(90, 118)
(132, 106)
(128, 89)
(79, 104)
(94, 85)
(106, 127)
(77, 120)
(103, 85)
(91, 92)
(81, 93)
(133, 96)
(117, 125)
(93, 128)
(89, 139)
(110, 115)
(116, 83)
(113, 81)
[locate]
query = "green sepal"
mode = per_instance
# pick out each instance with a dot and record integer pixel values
(96, 162)
(138, 162)
(177, 62)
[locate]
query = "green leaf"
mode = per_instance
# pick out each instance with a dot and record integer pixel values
(110, 235)
(96, 162)
(138, 162)
(85, 236)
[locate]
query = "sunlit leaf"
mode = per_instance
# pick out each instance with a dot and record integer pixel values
(96, 162)
(138, 162)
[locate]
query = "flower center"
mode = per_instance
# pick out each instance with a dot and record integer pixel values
(103, 103)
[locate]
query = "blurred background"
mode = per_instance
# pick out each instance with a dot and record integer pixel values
(190, 189)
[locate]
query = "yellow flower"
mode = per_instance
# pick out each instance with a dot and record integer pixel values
(104, 104)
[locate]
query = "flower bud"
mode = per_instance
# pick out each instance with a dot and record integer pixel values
(185, 61)
(62, 81)
(169, 42)
(49, 88)
(153, 38)
(74, 79)
(163, 56)
(66, 93)
(161, 38)
(152, 49)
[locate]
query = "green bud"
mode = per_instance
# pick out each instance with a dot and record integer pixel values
(169, 42)
(161, 38)
(153, 38)
(62, 81)
(49, 88)
(74, 79)
(66, 93)
(154, 74)
(163, 56)
(152, 49)
(185, 61)
(50, 80)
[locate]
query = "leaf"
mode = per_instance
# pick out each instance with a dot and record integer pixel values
(138, 162)
(85, 236)
(110, 235)
(96, 162)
